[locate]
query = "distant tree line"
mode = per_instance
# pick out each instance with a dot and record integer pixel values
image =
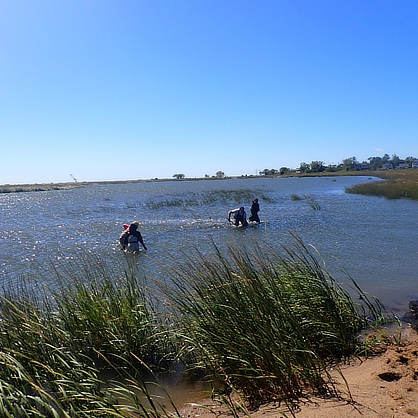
(219, 174)
(348, 164)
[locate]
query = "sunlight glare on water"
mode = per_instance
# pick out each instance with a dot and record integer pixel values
(371, 239)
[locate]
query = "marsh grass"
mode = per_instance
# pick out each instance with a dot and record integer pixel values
(237, 196)
(266, 324)
(69, 386)
(114, 316)
(308, 198)
(397, 184)
(391, 189)
(54, 350)
(261, 324)
(7, 188)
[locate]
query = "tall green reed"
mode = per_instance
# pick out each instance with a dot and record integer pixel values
(69, 386)
(261, 322)
(110, 311)
(53, 351)
(265, 323)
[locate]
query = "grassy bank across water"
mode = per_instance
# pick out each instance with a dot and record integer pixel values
(396, 184)
(263, 324)
(20, 188)
(43, 187)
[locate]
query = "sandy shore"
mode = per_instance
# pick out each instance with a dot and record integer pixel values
(385, 385)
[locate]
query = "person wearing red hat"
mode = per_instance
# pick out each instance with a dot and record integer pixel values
(131, 238)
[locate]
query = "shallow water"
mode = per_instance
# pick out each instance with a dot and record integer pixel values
(371, 239)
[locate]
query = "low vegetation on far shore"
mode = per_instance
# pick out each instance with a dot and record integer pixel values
(397, 184)
(263, 325)
(43, 187)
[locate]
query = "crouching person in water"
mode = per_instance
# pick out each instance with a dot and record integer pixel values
(239, 216)
(131, 238)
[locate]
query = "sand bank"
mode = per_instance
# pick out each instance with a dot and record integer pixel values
(382, 386)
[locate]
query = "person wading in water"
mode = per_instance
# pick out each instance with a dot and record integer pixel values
(131, 238)
(239, 216)
(255, 208)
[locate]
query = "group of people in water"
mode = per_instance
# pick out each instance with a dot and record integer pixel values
(240, 216)
(131, 237)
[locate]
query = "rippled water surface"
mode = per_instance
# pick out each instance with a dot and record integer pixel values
(371, 239)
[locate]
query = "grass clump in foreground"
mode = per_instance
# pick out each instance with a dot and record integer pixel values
(261, 324)
(55, 354)
(267, 325)
(108, 312)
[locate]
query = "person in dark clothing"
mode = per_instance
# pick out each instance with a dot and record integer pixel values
(123, 238)
(239, 216)
(131, 238)
(255, 208)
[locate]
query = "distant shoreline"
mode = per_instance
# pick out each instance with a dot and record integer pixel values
(402, 175)
(43, 187)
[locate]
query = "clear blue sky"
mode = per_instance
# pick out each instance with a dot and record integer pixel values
(117, 90)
